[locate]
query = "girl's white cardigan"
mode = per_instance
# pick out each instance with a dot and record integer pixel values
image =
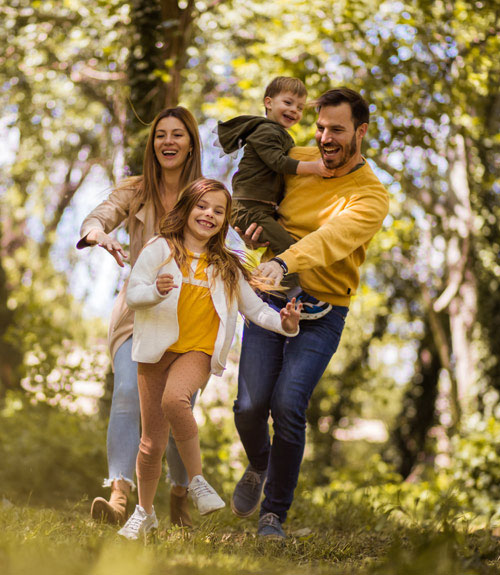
(156, 326)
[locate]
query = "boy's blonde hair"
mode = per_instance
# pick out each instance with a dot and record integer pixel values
(285, 84)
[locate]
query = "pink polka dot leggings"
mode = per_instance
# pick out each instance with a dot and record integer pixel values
(165, 392)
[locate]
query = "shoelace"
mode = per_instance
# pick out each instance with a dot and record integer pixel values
(270, 519)
(202, 489)
(135, 522)
(251, 477)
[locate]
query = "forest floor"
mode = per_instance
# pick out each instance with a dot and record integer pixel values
(343, 539)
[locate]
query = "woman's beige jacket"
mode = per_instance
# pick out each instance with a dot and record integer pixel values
(141, 228)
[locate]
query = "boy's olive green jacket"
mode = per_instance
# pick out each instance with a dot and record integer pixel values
(265, 160)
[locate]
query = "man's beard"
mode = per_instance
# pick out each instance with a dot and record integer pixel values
(347, 154)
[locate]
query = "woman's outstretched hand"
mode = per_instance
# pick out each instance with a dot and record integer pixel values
(290, 316)
(165, 283)
(97, 237)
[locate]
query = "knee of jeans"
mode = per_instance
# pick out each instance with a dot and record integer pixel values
(249, 411)
(126, 397)
(288, 418)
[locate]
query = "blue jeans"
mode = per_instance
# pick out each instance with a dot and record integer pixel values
(277, 376)
(124, 425)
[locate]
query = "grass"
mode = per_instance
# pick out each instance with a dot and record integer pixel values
(341, 537)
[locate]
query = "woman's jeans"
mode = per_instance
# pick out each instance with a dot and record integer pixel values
(277, 376)
(124, 425)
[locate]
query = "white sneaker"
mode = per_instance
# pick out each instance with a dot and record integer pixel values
(139, 523)
(204, 496)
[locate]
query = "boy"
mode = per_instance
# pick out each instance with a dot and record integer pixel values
(259, 182)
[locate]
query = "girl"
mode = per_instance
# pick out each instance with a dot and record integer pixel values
(171, 161)
(187, 288)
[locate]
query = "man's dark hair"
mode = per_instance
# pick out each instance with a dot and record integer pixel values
(359, 106)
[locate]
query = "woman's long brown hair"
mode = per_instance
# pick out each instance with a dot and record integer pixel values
(148, 185)
(226, 262)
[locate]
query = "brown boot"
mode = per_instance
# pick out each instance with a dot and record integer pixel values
(112, 511)
(179, 510)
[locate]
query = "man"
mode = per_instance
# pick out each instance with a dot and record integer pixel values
(333, 220)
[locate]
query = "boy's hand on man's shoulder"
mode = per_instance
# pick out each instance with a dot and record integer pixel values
(322, 170)
(314, 168)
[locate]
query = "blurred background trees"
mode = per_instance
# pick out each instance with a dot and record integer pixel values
(418, 371)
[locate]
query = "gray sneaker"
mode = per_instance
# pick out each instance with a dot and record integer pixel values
(139, 524)
(270, 527)
(248, 491)
(204, 496)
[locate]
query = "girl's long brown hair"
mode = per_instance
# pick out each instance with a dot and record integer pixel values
(148, 185)
(226, 262)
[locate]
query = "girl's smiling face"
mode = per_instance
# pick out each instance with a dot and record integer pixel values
(172, 143)
(207, 217)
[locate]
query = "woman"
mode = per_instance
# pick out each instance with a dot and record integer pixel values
(171, 161)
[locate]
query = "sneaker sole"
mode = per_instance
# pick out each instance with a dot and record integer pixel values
(317, 315)
(271, 537)
(239, 513)
(213, 510)
(150, 531)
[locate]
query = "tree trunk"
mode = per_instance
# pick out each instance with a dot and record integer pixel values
(459, 298)
(418, 413)
(10, 356)
(162, 33)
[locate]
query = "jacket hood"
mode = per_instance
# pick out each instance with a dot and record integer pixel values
(233, 133)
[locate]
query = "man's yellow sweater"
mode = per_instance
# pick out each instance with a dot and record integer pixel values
(334, 220)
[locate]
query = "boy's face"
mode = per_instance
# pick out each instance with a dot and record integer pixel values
(285, 108)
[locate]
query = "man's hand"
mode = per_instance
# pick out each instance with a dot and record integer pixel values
(165, 283)
(108, 243)
(290, 316)
(271, 272)
(251, 236)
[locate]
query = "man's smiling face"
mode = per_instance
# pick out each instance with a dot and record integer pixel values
(338, 140)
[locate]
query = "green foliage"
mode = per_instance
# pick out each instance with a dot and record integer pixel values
(48, 456)
(441, 554)
(476, 466)
(364, 520)
(430, 71)
(45, 328)
(344, 535)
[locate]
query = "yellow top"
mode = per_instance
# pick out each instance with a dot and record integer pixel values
(334, 219)
(198, 320)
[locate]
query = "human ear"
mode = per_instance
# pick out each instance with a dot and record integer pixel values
(268, 103)
(362, 130)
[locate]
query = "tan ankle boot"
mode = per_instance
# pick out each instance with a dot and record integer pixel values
(112, 511)
(179, 510)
